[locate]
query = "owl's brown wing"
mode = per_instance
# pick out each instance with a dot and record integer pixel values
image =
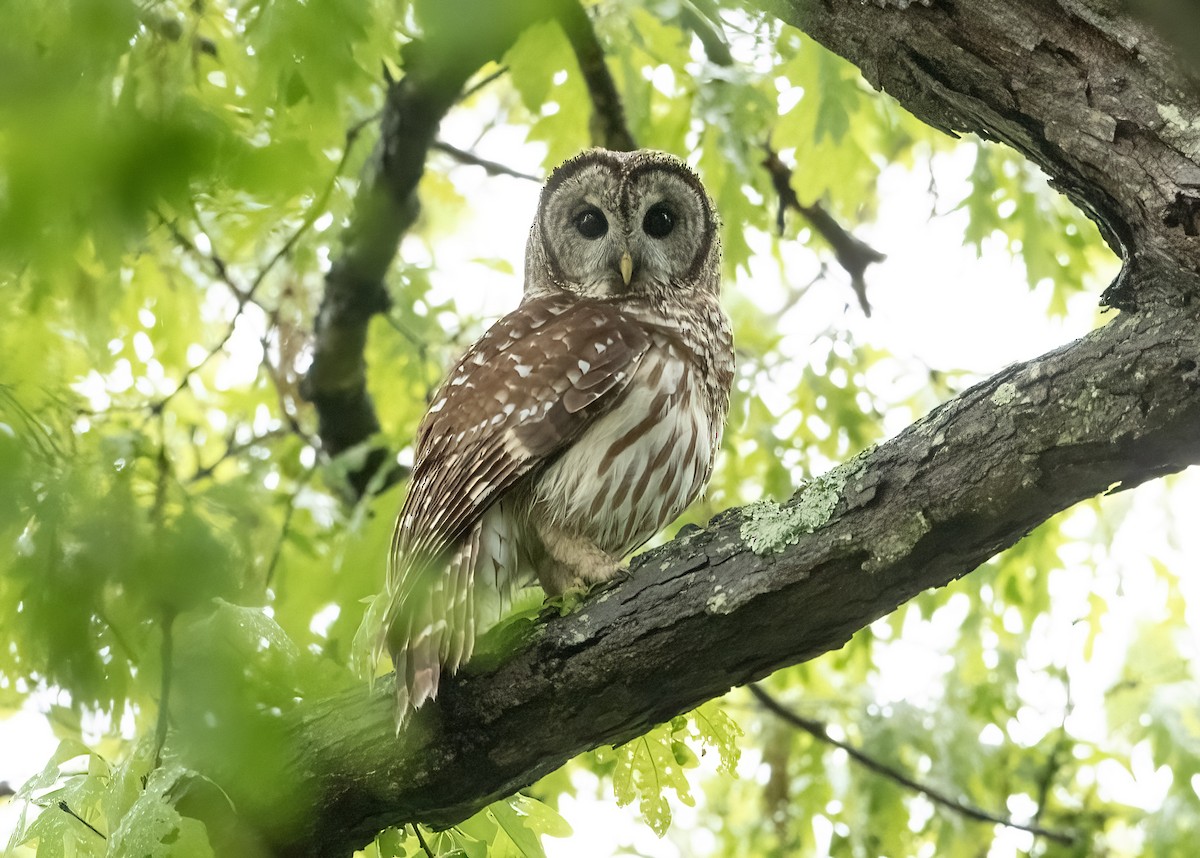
(526, 389)
(520, 395)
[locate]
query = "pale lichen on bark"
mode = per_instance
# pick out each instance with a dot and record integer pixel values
(770, 527)
(1004, 394)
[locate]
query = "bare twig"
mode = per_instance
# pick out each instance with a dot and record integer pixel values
(820, 732)
(287, 523)
(852, 254)
(482, 82)
(493, 168)
(242, 296)
(248, 295)
(319, 205)
(233, 448)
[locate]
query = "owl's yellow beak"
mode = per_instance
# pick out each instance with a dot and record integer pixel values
(626, 267)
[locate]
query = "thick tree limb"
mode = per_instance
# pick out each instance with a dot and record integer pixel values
(1091, 94)
(609, 128)
(459, 37)
(706, 612)
(1094, 98)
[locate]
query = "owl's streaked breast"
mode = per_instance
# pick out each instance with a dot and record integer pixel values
(641, 464)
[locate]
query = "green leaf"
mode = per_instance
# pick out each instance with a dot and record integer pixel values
(153, 828)
(648, 766)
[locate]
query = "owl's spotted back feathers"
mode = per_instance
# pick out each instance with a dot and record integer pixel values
(578, 425)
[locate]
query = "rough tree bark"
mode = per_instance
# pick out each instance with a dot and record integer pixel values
(1096, 98)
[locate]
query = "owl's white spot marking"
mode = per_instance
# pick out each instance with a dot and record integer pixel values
(437, 406)
(514, 446)
(523, 370)
(547, 405)
(497, 420)
(602, 347)
(508, 408)
(458, 379)
(409, 519)
(584, 366)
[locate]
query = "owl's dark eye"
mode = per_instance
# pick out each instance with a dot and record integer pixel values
(659, 221)
(591, 223)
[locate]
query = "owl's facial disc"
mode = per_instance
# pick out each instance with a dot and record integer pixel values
(615, 224)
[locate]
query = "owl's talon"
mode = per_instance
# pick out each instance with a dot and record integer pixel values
(619, 577)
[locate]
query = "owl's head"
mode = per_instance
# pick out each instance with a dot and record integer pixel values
(615, 224)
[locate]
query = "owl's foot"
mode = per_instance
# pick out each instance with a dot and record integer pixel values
(620, 575)
(578, 592)
(573, 562)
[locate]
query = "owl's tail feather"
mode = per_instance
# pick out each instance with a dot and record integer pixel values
(459, 602)
(417, 677)
(428, 626)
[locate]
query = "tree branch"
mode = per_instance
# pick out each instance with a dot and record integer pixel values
(1088, 92)
(852, 253)
(707, 612)
(708, 30)
(609, 128)
(436, 69)
(492, 168)
(821, 733)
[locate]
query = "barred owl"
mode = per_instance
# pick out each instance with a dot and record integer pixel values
(578, 425)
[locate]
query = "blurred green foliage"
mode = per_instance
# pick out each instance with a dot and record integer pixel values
(173, 177)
